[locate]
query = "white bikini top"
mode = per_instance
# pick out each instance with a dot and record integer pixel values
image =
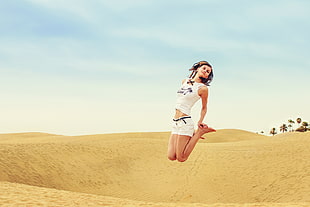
(187, 96)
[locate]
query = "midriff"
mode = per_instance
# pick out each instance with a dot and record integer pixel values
(179, 114)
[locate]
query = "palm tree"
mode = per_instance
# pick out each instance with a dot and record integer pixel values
(283, 128)
(305, 125)
(298, 120)
(290, 127)
(273, 131)
(291, 122)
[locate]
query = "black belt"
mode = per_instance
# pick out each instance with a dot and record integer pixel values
(182, 118)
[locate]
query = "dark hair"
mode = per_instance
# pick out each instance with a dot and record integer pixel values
(194, 68)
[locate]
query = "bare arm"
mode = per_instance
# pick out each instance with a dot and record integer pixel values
(203, 93)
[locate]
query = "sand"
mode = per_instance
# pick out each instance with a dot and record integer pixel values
(228, 168)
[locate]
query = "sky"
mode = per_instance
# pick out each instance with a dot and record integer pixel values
(91, 67)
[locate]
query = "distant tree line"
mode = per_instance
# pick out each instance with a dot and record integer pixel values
(303, 126)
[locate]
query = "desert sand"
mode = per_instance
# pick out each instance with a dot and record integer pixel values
(228, 168)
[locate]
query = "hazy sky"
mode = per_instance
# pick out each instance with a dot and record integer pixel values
(99, 66)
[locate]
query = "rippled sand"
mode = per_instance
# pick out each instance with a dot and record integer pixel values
(229, 168)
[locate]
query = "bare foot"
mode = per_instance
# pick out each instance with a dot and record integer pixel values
(205, 130)
(208, 130)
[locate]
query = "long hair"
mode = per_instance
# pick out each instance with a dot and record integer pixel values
(194, 68)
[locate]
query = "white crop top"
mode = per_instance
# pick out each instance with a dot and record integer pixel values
(187, 96)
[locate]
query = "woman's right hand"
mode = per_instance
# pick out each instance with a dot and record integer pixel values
(202, 125)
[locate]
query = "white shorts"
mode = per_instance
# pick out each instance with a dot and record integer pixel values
(183, 126)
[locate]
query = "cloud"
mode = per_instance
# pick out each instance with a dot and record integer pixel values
(104, 34)
(129, 57)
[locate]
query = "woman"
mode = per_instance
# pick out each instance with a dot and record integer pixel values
(183, 136)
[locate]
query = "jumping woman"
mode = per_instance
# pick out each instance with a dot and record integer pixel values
(183, 136)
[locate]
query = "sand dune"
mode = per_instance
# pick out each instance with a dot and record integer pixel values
(230, 167)
(232, 135)
(14, 194)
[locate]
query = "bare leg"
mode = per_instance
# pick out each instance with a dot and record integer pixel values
(182, 141)
(172, 147)
(186, 144)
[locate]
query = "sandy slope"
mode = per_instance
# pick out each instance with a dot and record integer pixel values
(240, 168)
(232, 135)
(13, 194)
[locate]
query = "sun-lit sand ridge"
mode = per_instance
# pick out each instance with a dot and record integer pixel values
(230, 166)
